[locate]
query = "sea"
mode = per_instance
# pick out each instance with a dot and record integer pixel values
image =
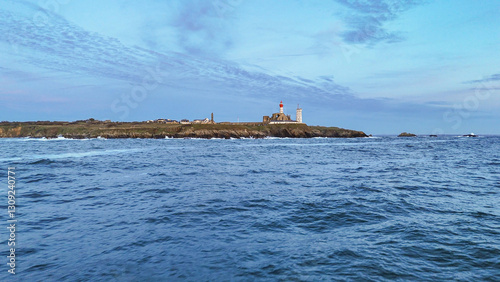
(364, 209)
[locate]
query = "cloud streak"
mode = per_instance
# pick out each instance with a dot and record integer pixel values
(201, 29)
(491, 78)
(367, 20)
(62, 46)
(63, 49)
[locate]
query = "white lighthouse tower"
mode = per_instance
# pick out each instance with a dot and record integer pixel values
(299, 114)
(281, 107)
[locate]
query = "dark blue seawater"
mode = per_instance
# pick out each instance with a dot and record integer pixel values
(369, 209)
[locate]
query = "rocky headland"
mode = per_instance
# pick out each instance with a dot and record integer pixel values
(86, 129)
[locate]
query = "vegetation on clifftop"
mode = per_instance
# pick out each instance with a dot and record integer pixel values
(80, 130)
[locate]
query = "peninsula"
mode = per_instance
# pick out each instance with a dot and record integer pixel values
(277, 125)
(107, 129)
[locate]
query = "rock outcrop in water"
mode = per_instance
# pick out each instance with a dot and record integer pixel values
(406, 134)
(80, 130)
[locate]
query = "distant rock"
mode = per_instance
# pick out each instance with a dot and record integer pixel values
(406, 134)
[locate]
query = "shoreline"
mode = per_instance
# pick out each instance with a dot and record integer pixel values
(121, 130)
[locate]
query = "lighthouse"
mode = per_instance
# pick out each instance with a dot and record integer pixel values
(281, 118)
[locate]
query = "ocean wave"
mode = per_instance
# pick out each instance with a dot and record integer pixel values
(49, 158)
(364, 209)
(44, 139)
(60, 138)
(85, 154)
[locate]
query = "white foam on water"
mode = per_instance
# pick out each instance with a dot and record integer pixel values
(10, 159)
(72, 155)
(44, 139)
(84, 154)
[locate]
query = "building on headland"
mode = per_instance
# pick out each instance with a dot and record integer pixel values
(201, 121)
(282, 118)
(205, 120)
(298, 114)
(162, 120)
(184, 121)
(276, 118)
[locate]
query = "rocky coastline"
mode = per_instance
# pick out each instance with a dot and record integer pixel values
(83, 130)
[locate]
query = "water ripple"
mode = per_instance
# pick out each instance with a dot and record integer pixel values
(372, 209)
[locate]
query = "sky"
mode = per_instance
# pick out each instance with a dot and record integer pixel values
(381, 66)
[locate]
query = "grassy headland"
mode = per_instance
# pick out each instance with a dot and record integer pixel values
(93, 129)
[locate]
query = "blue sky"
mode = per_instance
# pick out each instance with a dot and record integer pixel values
(379, 66)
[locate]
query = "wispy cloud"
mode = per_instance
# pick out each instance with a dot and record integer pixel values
(367, 20)
(65, 47)
(491, 78)
(201, 30)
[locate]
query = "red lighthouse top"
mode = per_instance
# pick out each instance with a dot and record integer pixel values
(281, 104)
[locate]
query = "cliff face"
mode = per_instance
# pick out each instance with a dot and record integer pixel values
(10, 132)
(143, 130)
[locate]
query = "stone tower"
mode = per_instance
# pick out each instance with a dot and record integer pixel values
(299, 114)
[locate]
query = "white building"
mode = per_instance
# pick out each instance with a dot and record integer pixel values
(281, 118)
(299, 114)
